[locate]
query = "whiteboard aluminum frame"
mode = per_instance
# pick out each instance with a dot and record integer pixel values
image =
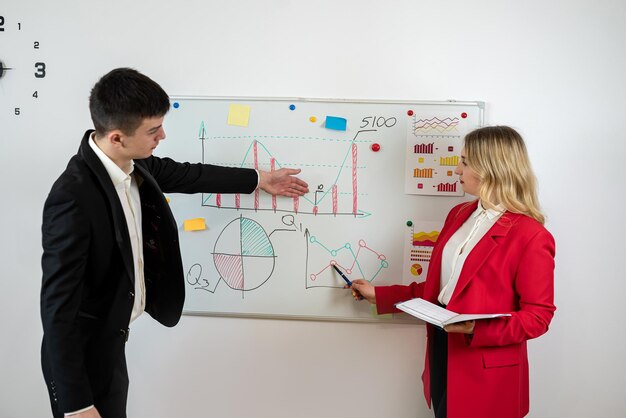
(396, 318)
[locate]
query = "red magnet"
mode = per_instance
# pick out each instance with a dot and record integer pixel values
(463, 115)
(375, 147)
(410, 113)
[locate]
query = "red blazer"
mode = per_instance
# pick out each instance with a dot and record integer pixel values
(510, 270)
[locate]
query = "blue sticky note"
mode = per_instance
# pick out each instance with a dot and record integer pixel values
(336, 123)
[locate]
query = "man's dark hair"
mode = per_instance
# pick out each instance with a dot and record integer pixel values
(124, 97)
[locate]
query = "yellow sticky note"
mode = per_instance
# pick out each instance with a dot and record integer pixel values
(196, 224)
(238, 115)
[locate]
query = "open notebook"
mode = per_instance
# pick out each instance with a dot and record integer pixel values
(437, 315)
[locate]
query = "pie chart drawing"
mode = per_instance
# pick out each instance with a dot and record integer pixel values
(416, 269)
(244, 255)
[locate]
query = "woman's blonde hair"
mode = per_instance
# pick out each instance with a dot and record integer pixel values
(498, 156)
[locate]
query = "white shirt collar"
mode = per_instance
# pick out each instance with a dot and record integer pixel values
(117, 174)
(491, 213)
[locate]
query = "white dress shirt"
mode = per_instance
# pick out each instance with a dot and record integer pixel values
(128, 193)
(461, 244)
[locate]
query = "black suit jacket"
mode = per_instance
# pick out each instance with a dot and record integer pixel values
(88, 286)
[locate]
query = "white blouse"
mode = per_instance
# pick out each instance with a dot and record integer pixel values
(461, 244)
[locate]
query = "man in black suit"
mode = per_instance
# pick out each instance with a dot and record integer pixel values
(110, 242)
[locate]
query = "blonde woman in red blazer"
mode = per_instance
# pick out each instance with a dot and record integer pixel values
(480, 368)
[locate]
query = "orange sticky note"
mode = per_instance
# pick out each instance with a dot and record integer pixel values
(196, 224)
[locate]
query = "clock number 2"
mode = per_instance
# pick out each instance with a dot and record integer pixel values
(41, 69)
(1, 23)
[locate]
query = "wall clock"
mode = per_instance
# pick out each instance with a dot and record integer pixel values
(23, 69)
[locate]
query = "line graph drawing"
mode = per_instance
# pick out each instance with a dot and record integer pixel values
(435, 124)
(365, 262)
(337, 196)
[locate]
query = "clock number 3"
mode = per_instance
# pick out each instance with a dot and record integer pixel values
(41, 70)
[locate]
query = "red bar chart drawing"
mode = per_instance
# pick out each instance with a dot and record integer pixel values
(424, 148)
(337, 196)
(446, 187)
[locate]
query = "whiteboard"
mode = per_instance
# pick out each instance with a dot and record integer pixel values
(381, 179)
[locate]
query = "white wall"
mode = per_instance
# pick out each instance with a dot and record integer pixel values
(554, 70)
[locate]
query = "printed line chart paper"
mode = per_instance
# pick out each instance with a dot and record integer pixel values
(265, 256)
